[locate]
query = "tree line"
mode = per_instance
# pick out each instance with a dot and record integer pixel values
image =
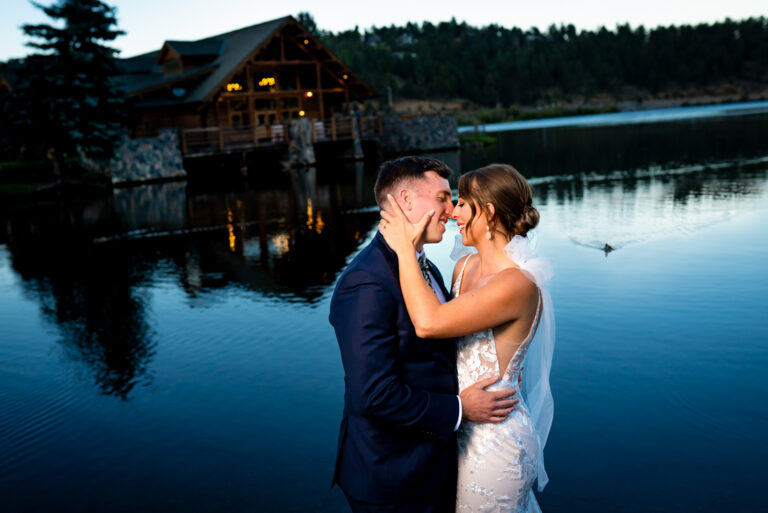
(498, 65)
(64, 97)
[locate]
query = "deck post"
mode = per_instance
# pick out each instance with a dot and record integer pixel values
(221, 139)
(319, 85)
(183, 141)
(333, 128)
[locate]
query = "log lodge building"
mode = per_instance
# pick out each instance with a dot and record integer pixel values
(256, 78)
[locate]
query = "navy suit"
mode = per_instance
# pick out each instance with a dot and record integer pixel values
(397, 443)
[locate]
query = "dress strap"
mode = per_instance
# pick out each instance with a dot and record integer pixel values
(457, 285)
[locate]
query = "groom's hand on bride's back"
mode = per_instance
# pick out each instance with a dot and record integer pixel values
(480, 405)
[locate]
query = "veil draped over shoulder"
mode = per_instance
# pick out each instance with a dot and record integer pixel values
(538, 360)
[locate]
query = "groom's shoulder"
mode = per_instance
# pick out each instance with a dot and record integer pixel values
(367, 266)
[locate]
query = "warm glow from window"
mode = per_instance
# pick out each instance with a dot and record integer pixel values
(234, 86)
(231, 230)
(267, 81)
(309, 94)
(306, 41)
(345, 76)
(301, 113)
(281, 244)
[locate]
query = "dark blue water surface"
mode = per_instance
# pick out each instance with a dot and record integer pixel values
(166, 348)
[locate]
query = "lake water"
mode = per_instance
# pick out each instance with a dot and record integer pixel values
(167, 348)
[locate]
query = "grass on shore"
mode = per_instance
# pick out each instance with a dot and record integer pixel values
(503, 115)
(8, 165)
(18, 189)
(477, 139)
(25, 178)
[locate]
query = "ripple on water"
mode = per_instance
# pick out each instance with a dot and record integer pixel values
(606, 211)
(34, 417)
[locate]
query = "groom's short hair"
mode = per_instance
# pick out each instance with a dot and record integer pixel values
(393, 172)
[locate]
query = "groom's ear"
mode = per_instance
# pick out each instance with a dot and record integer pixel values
(405, 199)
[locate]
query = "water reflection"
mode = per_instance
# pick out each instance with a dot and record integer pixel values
(91, 266)
(151, 207)
(287, 241)
(607, 150)
(96, 300)
(216, 294)
(612, 212)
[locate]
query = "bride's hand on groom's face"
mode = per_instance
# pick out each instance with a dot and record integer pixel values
(398, 231)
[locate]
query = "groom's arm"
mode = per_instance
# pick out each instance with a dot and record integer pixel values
(363, 314)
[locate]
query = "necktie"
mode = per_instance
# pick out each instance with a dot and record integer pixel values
(425, 269)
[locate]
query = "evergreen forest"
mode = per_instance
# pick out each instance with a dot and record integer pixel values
(496, 65)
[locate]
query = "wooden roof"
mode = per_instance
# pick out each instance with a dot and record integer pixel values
(228, 53)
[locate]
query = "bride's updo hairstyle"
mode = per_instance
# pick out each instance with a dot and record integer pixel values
(506, 189)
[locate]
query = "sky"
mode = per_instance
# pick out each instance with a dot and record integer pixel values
(150, 22)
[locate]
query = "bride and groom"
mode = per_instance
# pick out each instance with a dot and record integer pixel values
(433, 416)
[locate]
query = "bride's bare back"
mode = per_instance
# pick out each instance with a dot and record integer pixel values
(510, 334)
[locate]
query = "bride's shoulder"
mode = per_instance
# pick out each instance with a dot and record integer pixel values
(513, 282)
(460, 263)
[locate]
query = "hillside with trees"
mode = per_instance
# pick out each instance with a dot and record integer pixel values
(495, 65)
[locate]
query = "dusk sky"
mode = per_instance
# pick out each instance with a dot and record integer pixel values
(149, 23)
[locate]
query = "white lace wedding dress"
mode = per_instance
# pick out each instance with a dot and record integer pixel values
(499, 462)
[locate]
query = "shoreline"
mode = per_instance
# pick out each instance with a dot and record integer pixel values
(654, 115)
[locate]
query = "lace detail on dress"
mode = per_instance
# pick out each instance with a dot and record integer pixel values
(497, 462)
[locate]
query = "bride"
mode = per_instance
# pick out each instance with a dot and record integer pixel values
(502, 316)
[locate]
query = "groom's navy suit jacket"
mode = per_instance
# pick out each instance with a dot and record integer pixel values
(397, 441)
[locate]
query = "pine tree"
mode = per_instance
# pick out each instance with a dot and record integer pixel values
(67, 90)
(308, 21)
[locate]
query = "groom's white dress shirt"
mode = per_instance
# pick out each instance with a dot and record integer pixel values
(442, 298)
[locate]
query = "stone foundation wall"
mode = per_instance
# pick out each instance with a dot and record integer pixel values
(401, 135)
(301, 152)
(148, 158)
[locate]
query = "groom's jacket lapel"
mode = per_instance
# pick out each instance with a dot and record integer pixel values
(440, 282)
(392, 258)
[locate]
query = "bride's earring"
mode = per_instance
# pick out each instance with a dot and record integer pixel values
(488, 232)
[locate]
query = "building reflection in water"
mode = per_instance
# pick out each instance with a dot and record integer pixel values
(96, 299)
(93, 267)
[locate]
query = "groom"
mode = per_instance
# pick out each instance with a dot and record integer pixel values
(397, 444)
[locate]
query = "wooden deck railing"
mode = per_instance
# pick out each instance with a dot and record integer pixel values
(226, 139)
